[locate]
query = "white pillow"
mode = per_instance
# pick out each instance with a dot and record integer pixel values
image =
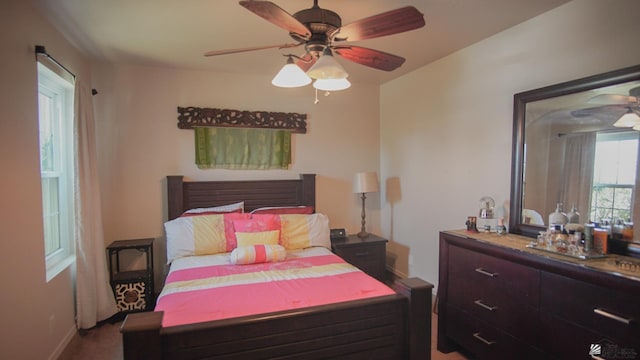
(218, 209)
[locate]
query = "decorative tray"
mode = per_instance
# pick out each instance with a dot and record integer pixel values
(571, 255)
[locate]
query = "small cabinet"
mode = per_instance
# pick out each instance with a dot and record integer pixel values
(133, 289)
(368, 253)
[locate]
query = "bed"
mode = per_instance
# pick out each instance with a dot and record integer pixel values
(384, 324)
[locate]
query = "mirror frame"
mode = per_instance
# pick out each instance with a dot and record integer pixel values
(520, 100)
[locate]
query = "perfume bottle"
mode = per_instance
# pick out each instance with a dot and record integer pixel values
(557, 217)
(501, 229)
(573, 217)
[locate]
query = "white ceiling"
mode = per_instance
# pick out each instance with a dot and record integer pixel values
(176, 33)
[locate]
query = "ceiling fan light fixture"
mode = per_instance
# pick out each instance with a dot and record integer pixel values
(327, 67)
(291, 76)
(629, 119)
(332, 84)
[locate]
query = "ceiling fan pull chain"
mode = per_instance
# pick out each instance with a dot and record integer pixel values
(316, 101)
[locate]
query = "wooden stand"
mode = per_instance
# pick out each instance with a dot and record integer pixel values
(133, 290)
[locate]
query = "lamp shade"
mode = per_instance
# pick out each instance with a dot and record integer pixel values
(331, 84)
(291, 76)
(629, 119)
(327, 67)
(365, 182)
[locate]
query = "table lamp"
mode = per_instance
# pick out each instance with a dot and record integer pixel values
(363, 183)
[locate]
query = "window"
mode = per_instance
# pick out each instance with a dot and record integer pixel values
(614, 176)
(55, 113)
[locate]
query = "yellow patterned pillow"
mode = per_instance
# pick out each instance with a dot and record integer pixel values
(257, 254)
(302, 231)
(254, 238)
(201, 235)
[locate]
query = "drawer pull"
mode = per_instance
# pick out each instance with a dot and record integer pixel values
(485, 272)
(615, 317)
(487, 342)
(485, 306)
(360, 254)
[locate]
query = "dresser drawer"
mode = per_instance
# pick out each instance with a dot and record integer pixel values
(490, 275)
(495, 308)
(485, 341)
(604, 311)
(564, 340)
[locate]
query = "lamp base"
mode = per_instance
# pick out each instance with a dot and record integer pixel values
(363, 234)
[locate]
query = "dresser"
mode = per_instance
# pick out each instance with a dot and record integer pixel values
(367, 253)
(498, 299)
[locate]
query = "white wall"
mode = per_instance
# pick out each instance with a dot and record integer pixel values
(441, 135)
(140, 143)
(446, 128)
(37, 317)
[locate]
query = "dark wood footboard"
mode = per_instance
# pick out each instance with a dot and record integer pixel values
(388, 327)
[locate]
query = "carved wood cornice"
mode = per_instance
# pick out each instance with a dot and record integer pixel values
(190, 117)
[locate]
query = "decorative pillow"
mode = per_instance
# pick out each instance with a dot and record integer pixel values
(201, 235)
(284, 210)
(270, 237)
(258, 254)
(302, 231)
(230, 208)
(257, 223)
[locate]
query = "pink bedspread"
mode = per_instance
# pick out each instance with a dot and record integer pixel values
(224, 291)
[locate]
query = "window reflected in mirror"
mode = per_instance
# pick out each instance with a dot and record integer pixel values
(614, 177)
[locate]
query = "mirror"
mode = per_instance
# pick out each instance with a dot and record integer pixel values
(570, 148)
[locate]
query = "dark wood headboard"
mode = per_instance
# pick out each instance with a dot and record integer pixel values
(185, 195)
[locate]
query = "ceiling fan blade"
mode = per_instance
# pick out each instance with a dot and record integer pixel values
(387, 23)
(616, 110)
(613, 99)
(306, 61)
(369, 57)
(239, 50)
(277, 16)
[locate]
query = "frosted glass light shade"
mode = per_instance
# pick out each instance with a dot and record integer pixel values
(331, 84)
(629, 119)
(327, 67)
(291, 76)
(365, 182)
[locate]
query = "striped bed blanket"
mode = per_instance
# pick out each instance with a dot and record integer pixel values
(205, 288)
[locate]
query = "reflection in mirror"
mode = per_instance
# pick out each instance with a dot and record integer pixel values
(576, 146)
(576, 157)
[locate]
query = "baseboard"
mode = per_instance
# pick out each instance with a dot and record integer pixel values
(64, 344)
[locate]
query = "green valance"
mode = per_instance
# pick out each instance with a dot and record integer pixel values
(240, 148)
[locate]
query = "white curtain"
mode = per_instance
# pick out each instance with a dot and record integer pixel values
(94, 297)
(579, 155)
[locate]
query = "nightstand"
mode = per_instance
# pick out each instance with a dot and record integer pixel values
(368, 254)
(133, 290)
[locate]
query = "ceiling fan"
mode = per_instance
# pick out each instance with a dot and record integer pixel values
(624, 110)
(321, 33)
